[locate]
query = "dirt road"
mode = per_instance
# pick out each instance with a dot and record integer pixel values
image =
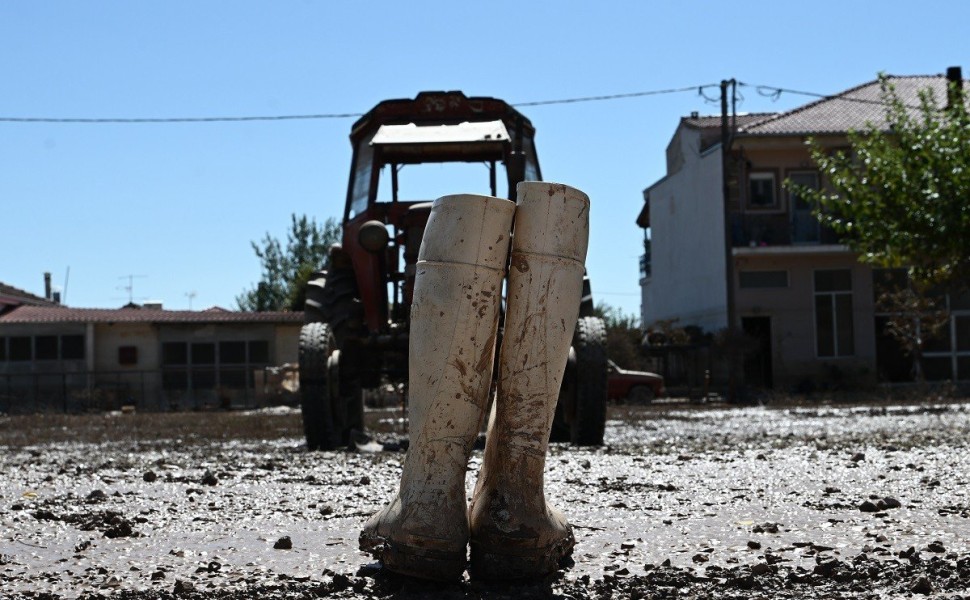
(688, 502)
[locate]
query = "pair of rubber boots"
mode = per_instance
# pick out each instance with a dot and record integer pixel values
(514, 534)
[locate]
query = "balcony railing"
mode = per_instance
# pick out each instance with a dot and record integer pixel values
(779, 230)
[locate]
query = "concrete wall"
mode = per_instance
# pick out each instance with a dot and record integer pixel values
(792, 313)
(287, 344)
(108, 337)
(687, 242)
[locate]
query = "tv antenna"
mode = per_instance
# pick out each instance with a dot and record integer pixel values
(130, 288)
(191, 296)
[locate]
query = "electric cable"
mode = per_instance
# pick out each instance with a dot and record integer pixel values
(698, 88)
(768, 91)
(775, 92)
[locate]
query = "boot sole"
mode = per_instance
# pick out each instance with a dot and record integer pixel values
(416, 561)
(516, 560)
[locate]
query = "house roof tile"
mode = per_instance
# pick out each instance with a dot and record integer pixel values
(714, 121)
(12, 293)
(852, 109)
(63, 314)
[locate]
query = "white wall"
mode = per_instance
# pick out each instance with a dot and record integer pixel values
(687, 242)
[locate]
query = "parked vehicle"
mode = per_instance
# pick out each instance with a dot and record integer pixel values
(636, 387)
(355, 333)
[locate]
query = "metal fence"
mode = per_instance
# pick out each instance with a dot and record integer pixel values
(146, 390)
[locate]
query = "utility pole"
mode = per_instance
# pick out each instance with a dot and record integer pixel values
(726, 139)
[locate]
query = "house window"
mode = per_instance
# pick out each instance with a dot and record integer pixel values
(232, 353)
(259, 352)
(127, 355)
(3, 349)
(947, 355)
(833, 313)
(962, 325)
(204, 353)
(175, 353)
(45, 347)
(232, 365)
(762, 279)
(207, 365)
(761, 190)
(72, 347)
(19, 348)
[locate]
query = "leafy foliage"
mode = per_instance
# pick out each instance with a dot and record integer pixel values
(623, 337)
(901, 196)
(286, 270)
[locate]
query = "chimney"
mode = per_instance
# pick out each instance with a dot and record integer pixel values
(47, 286)
(954, 86)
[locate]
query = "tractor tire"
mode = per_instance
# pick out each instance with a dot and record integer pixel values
(561, 428)
(332, 300)
(346, 401)
(316, 343)
(313, 311)
(589, 418)
(337, 303)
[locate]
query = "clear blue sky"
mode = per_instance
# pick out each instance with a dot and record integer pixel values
(178, 204)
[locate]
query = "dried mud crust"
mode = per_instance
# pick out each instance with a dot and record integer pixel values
(859, 578)
(714, 502)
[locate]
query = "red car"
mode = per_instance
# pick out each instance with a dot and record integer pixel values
(636, 387)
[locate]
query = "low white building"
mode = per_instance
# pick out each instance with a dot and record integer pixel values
(61, 358)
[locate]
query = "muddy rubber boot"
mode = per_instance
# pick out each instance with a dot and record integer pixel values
(515, 534)
(423, 532)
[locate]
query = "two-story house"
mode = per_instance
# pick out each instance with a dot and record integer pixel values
(803, 296)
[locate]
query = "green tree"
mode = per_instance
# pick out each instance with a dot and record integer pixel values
(901, 196)
(623, 336)
(286, 269)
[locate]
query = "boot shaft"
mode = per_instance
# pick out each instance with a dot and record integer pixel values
(454, 326)
(544, 289)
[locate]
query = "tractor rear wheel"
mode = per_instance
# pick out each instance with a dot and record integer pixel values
(589, 418)
(332, 302)
(581, 411)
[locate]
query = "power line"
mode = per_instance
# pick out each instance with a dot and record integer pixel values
(769, 91)
(775, 92)
(698, 88)
(178, 119)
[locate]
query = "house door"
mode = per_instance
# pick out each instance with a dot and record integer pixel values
(804, 225)
(757, 364)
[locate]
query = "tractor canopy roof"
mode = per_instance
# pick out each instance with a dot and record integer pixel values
(440, 108)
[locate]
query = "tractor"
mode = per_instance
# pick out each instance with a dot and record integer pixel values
(356, 312)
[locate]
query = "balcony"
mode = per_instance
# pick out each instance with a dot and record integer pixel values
(779, 230)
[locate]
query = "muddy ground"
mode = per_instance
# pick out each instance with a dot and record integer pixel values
(795, 501)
